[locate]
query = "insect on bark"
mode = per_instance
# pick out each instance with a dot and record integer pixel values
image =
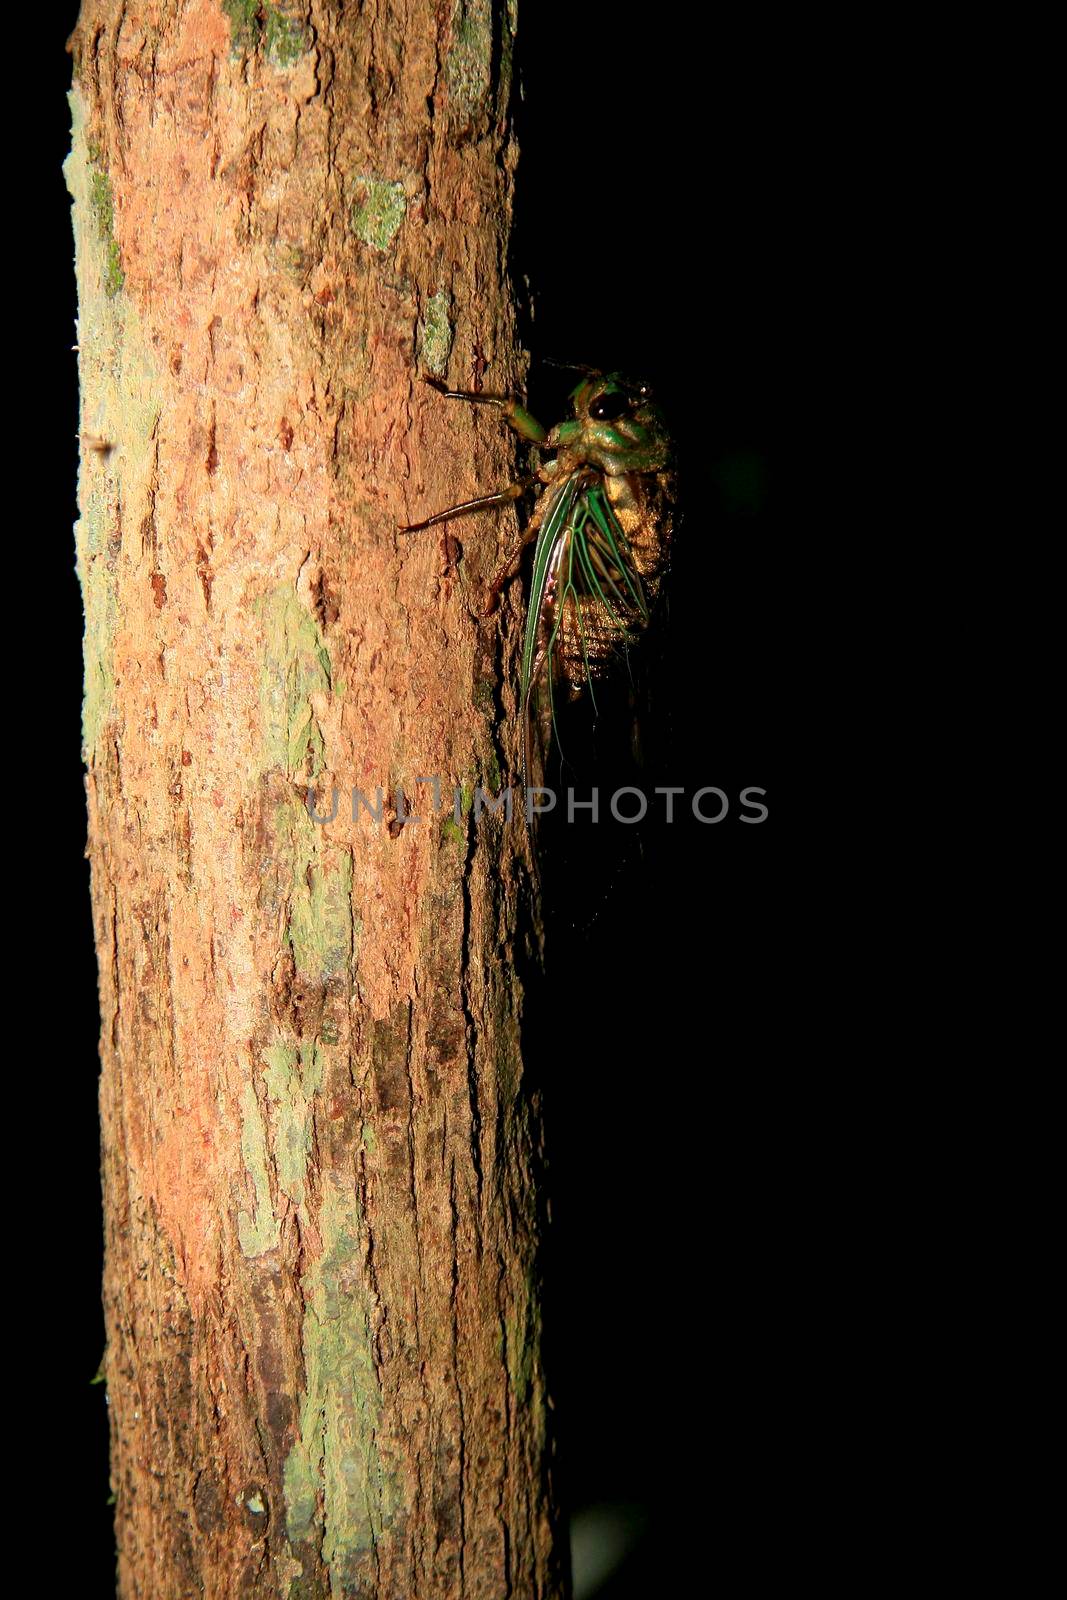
(602, 521)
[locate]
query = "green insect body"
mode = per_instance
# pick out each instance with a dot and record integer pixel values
(603, 524)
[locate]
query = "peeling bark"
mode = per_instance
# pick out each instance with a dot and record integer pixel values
(321, 1153)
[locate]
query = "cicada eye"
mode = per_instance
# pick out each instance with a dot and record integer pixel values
(610, 407)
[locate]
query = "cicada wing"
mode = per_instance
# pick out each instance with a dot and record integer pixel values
(537, 644)
(591, 595)
(599, 601)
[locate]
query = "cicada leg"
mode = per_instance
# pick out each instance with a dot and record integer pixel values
(502, 497)
(517, 418)
(515, 415)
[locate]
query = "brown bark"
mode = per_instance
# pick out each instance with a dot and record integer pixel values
(320, 1147)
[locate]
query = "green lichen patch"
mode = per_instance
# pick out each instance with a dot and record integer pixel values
(451, 832)
(102, 200)
(115, 276)
(296, 665)
(436, 333)
(336, 1455)
(285, 36)
(468, 65)
(320, 910)
(276, 27)
(312, 879)
(292, 1079)
(245, 24)
(258, 1228)
(101, 619)
(121, 403)
(506, 70)
(279, 1143)
(378, 211)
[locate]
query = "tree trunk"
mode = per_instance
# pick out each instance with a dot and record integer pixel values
(321, 1154)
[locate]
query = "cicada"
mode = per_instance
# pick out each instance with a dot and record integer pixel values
(602, 521)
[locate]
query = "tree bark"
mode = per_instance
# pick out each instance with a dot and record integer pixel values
(321, 1151)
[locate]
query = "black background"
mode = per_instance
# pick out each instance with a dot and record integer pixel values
(671, 220)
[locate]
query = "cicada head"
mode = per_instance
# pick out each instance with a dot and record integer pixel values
(617, 426)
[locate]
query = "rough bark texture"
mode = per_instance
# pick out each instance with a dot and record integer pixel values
(320, 1148)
